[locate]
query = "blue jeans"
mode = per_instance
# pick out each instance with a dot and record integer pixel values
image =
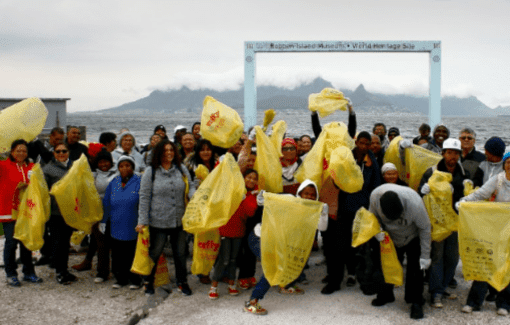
(226, 260)
(11, 244)
(445, 257)
(478, 291)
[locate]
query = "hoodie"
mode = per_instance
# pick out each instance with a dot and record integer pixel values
(323, 221)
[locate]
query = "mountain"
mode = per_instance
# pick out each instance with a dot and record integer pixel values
(160, 101)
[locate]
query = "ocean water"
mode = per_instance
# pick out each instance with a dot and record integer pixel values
(298, 123)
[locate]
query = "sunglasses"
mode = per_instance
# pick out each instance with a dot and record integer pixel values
(61, 151)
(466, 138)
(288, 148)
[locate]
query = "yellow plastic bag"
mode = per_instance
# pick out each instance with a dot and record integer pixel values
(392, 155)
(268, 164)
(220, 124)
(438, 203)
(268, 118)
(205, 251)
(33, 211)
(392, 270)
(344, 171)
(468, 188)
(278, 132)
(327, 101)
(77, 237)
(364, 227)
(161, 277)
(217, 198)
(316, 162)
(288, 229)
(418, 160)
(142, 264)
(77, 197)
(201, 172)
(484, 242)
(23, 120)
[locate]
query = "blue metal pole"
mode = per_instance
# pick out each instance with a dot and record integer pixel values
(435, 86)
(250, 89)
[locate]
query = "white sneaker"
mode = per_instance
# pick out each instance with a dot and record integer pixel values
(134, 287)
(502, 312)
(467, 309)
(116, 286)
(437, 303)
(99, 280)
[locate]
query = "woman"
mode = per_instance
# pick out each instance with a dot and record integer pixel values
(304, 145)
(14, 175)
(187, 145)
(390, 174)
(127, 148)
(120, 205)
(59, 230)
(497, 189)
(204, 155)
(195, 129)
(162, 203)
(290, 163)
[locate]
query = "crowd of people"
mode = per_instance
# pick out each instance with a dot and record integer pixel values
(149, 186)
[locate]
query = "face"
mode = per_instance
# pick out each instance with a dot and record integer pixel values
(376, 144)
(440, 135)
(391, 176)
(56, 138)
(289, 152)
(308, 193)
(205, 153)
(161, 133)
(104, 165)
(61, 153)
(425, 133)
(73, 135)
(251, 181)
(236, 149)
(379, 130)
(251, 161)
(20, 153)
(188, 141)
(363, 145)
(196, 131)
(168, 154)
(492, 158)
(155, 139)
(127, 143)
(391, 136)
(111, 146)
(507, 166)
(451, 157)
(467, 141)
(306, 144)
(125, 169)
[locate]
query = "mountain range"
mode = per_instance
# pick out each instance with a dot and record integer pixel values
(185, 99)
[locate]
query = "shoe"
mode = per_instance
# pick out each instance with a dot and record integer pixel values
(44, 260)
(381, 301)
(351, 281)
(213, 293)
(83, 266)
(232, 290)
(295, 290)
(244, 284)
(450, 296)
(205, 279)
(13, 281)
(453, 284)
(416, 311)
(134, 287)
(491, 297)
(32, 278)
(330, 288)
(66, 278)
(149, 289)
(184, 289)
(437, 302)
(255, 309)
(99, 279)
(117, 285)
(468, 309)
(502, 312)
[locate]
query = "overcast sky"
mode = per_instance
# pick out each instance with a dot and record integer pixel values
(103, 54)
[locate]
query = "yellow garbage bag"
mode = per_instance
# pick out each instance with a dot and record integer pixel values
(484, 242)
(268, 118)
(418, 160)
(316, 162)
(288, 230)
(468, 188)
(278, 132)
(77, 197)
(201, 172)
(364, 227)
(142, 264)
(392, 269)
(33, 211)
(268, 164)
(162, 276)
(23, 120)
(77, 237)
(327, 101)
(205, 251)
(438, 203)
(220, 124)
(217, 198)
(392, 155)
(344, 171)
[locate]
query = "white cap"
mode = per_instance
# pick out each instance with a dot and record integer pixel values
(452, 144)
(179, 127)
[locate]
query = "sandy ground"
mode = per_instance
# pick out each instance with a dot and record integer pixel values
(85, 302)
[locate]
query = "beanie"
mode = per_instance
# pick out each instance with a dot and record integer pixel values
(495, 146)
(391, 205)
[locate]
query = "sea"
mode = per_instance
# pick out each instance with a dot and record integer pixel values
(298, 123)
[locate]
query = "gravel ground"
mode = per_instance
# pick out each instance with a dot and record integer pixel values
(85, 302)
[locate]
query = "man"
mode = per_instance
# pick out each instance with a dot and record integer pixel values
(337, 238)
(43, 151)
(440, 134)
(109, 140)
(424, 131)
(445, 254)
(380, 130)
(401, 212)
(470, 158)
(393, 133)
(75, 148)
(494, 150)
(377, 149)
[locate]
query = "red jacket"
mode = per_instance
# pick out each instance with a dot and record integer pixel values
(236, 226)
(10, 176)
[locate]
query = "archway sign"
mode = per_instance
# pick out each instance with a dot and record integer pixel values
(251, 48)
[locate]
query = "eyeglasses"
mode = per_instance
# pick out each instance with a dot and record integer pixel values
(466, 138)
(288, 148)
(61, 151)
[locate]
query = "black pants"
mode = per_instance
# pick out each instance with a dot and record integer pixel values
(60, 242)
(246, 260)
(123, 254)
(414, 275)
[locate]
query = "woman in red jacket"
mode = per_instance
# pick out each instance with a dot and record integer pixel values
(14, 175)
(231, 236)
